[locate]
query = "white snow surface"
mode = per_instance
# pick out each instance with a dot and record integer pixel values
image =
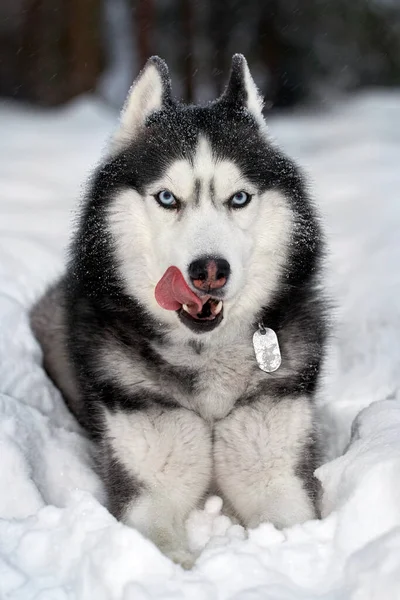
(57, 540)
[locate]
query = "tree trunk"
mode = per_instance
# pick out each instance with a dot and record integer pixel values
(220, 26)
(187, 49)
(143, 22)
(59, 49)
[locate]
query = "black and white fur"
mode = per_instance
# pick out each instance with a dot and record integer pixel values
(176, 412)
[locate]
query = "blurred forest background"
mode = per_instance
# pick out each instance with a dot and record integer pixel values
(298, 50)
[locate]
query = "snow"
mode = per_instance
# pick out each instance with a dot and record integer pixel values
(57, 541)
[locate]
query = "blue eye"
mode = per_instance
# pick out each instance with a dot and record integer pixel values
(239, 200)
(166, 199)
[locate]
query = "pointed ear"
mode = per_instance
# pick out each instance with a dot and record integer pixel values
(149, 92)
(241, 90)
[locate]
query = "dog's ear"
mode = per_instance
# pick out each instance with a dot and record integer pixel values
(241, 90)
(148, 94)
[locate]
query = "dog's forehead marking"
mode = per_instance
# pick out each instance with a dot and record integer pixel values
(204, 175)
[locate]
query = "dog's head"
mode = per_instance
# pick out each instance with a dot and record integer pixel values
(203, 212)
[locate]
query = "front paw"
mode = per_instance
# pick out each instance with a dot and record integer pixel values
(180, 556)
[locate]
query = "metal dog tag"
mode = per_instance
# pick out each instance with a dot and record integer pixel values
(266, 348)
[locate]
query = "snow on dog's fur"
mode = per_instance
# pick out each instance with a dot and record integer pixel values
(196, 196)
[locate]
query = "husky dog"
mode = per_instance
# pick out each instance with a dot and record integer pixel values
(196, 236)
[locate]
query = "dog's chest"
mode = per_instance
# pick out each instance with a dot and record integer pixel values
(221, 377)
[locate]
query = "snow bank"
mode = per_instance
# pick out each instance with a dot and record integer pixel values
(57, 541)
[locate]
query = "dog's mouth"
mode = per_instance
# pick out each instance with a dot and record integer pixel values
(199, 313)
(211, 315)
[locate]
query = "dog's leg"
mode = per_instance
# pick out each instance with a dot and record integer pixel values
(264, 457)
(49, 327)
(158, 467)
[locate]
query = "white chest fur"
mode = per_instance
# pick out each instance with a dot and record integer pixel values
(222, 375)
(217, 375)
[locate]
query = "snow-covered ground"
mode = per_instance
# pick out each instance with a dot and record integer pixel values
(57, 541)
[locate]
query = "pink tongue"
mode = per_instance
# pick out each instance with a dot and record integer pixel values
(172, 291)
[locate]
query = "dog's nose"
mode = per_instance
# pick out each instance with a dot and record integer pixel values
(209, 273)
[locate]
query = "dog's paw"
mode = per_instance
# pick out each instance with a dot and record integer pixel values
(181, 557)
(210, 527)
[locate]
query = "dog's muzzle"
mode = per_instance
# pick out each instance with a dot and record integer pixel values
(203, 312)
